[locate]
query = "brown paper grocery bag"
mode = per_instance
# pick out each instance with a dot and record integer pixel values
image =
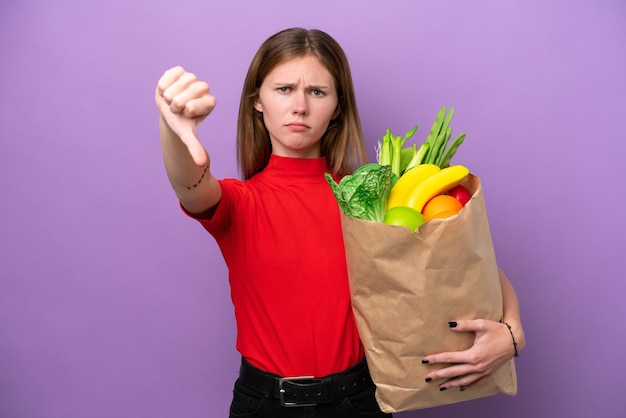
(405, 289)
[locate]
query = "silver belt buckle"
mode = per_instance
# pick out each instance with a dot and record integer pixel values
(281, 391)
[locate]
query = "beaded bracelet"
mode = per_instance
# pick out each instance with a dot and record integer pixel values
(193, 186)
(513, 337)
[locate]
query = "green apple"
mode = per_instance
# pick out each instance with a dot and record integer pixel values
(404, 216)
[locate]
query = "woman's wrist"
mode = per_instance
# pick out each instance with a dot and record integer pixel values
(518, 339)
(515, 351)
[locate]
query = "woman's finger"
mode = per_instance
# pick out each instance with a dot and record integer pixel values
(196, 150)
(198, 103)
(168, 78)
(452, 372)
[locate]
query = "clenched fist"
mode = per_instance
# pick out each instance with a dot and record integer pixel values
(184, 102)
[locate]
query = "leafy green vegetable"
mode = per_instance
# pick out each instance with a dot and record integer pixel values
(447, 156)
(391, 152)
(436, 149)
(363, 194)
(406, 156)
(438, 152)
(417, 155)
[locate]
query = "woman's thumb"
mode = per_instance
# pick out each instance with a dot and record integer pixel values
(196, 150)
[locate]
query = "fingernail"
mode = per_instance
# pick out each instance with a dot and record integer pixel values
(442, 389)
(425, 361)
(452, 324)
(428, 379)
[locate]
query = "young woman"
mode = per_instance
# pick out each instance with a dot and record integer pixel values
(279, 231)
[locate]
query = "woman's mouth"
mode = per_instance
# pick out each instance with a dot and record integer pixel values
(298, 126)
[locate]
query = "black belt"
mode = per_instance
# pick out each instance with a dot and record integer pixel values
(307, 390)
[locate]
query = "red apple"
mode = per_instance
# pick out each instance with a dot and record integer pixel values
(460, 193)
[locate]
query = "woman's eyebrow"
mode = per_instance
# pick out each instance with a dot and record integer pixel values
(312, 86)
(318, 87)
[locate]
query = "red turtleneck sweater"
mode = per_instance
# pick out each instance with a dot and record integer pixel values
(280, 235)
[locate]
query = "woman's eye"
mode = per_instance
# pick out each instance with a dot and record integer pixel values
(318, 93)
(283, 89)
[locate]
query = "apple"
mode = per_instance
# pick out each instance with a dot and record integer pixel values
(404, 216)
(460, 193)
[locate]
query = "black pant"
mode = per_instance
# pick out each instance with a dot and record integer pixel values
(249, 401)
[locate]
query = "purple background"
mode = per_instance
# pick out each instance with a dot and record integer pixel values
(113, 304)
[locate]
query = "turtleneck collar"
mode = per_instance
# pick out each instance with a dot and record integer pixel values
(296, 168)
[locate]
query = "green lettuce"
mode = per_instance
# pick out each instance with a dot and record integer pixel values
(364, 193)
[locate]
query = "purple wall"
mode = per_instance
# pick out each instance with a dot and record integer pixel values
(113, 304)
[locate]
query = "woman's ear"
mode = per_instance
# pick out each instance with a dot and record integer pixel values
(337, 112)
(257, 105)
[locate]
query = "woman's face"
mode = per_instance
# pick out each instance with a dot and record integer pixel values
(298, 99)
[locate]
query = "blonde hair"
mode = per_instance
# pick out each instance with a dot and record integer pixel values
(342, 144)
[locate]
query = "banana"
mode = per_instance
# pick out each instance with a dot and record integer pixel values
(408, 181)
(436, 184)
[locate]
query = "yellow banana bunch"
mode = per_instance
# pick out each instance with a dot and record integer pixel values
(409, 180)
(439, 182)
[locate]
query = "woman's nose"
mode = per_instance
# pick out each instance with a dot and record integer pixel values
(300, 105)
